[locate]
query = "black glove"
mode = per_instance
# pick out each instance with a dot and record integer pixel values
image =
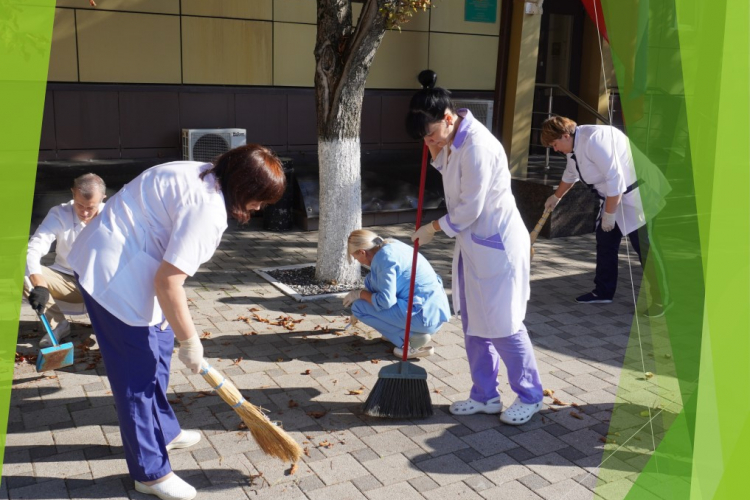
(38, 298)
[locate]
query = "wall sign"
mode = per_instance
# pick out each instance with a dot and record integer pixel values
(481, 11)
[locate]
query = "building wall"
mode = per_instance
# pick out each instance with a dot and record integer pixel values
(254, 42)
(126, 76)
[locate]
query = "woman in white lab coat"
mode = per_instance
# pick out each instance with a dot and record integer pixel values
(131, 263)
(491, 257)
(600, 157)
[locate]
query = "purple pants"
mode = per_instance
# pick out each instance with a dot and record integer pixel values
(484, 357)
(137, 359)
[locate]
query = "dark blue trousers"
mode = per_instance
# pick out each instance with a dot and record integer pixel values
(137, 359)
(607, 252)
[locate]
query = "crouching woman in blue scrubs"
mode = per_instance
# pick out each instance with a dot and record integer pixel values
(131, 264)
(383, 301)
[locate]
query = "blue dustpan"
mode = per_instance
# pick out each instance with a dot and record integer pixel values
(57, 356)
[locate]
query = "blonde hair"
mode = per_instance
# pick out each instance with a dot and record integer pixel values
(555, 127)
(362, 239)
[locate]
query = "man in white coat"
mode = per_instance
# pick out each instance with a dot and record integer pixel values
(63, 224)
(599, 156)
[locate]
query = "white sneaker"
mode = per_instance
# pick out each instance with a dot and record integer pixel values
(61, 331)
(519, 412)
(470, 407)
(185, 439)
(173, 488)
(421, 352)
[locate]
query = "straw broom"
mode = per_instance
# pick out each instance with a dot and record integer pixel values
(535, 232)
(271, 438)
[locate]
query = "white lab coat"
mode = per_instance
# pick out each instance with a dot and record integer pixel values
(165, 214)
(604, 159)
(490, 235)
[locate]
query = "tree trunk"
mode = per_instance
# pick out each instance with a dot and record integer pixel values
(343, 56)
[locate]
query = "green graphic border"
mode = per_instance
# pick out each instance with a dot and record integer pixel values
(680, 424)
(25, 40)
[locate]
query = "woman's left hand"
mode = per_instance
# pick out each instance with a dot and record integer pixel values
(424, 234)
(608, 222)
(352, 296)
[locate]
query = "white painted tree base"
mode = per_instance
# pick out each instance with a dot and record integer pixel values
(340, 208)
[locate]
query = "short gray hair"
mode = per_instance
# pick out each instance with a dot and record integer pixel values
(88, 185)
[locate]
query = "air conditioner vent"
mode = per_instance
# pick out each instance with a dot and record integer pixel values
(481, 109)
(208, 144)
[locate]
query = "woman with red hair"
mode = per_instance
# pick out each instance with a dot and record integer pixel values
(131, 264)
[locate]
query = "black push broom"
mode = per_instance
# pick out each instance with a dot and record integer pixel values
(401, 390)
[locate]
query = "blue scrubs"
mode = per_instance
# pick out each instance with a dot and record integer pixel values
(390, 272)
(137, 359)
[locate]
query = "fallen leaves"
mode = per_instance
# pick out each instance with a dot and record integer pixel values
(293, 403)
(237, 361)
(548, 392)
(577, 415)
(316, 414)
(307, 372)
(306, 451)
(206, 335)
(355, 393)
(293, 469)
(374, 361)
(648, 375)
(557, 402)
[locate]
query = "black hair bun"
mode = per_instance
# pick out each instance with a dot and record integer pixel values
(427, 78)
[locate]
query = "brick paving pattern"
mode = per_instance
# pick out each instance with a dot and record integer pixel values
(63, 440)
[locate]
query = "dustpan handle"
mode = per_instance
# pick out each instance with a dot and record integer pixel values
(412, 279)
(29, 287)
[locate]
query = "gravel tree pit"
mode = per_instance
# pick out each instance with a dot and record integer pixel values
(302, 281)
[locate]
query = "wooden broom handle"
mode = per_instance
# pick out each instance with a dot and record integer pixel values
(412, 279)
(539, 225)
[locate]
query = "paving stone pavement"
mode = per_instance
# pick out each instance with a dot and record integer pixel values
(63, 439)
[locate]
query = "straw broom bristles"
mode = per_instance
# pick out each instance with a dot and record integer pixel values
(271, 438)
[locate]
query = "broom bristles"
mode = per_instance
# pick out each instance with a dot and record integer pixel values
(399, 398)
(271, 438)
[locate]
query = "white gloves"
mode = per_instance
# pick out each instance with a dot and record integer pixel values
(191, 353)
(608, 222)
(424, 234)
(351, 297)
(551, 203)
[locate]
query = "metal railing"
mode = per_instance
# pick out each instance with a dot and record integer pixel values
(550, 89)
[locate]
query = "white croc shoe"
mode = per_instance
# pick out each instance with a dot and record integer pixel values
(421, 352)
(173, 488)
(470, 407)
(519, 412)
(186, 439)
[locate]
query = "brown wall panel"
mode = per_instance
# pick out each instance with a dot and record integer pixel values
(168, 154)
(86, 120)
(392, 127)
(302, 119)
(264, 116)
(370, 132)
(47, 140)
(149, 120)
(206, 110)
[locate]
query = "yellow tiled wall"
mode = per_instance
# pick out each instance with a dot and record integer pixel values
(63, 59)
(226, 51)
(255, 42)
(128, 48)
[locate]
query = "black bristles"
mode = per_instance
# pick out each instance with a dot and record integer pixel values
(399, 398)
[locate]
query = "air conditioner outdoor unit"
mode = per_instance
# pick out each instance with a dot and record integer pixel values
(480, 108)
(207, 144)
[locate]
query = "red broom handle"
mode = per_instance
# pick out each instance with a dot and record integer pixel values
(413, 278)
